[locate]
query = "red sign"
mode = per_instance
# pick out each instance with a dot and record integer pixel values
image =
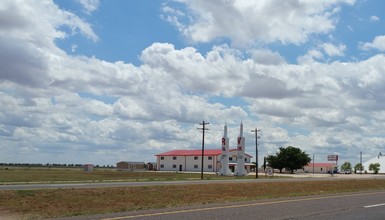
(332, 157)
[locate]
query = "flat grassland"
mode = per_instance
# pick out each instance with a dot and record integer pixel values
(10, 175)
(36, 204)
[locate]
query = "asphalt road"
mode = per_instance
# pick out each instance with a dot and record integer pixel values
(129, 184)
(369, 205)
(152, 183)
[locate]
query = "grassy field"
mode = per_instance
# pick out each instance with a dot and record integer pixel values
(10, 175)
(37, 204)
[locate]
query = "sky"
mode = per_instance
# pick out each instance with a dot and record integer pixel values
(101, 81)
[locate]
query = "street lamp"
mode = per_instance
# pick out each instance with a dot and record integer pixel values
(256, 151)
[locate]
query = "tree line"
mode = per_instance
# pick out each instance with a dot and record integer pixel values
(375, 167)
(292, 158)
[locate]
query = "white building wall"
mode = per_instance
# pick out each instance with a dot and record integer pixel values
(379, 159)
(192, 163)
(187, 163)
(233, 155)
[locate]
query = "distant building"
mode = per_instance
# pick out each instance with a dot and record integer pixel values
(151, 166)
(130, 166)
(380, 159)
(88, 167)
(190, 160)
(318, 167)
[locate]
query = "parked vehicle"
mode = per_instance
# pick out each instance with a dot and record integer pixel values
(348, 171)
(334, 171)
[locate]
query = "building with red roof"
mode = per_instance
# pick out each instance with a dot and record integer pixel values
(190, 160)
(319, 167)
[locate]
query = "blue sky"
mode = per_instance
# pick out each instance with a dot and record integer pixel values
(93, 81)
(124, 29)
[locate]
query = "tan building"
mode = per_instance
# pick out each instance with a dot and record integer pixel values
(130, 166)
(319, 167)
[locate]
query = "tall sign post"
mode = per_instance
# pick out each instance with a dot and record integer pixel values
(225, 170)
(333, 158)
(240, 169)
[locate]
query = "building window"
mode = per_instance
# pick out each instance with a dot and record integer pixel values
(162, 158)
(230, 159)
(162, 166)
(195, 166)
(321, 169)
(174, 166)
(195, 158)
(174, 158)
(210, 158)
(245, 159)
(210, 166)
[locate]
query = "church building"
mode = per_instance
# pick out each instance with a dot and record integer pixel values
(190, 160)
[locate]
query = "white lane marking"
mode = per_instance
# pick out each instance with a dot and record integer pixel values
(376, 205)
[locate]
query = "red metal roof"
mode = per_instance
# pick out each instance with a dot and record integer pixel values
(209, 152)
(214, 152)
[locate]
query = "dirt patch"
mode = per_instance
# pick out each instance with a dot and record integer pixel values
(8, 215)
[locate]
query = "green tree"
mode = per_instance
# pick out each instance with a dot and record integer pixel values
(290, 157)
(375, 167)
(274, 162)
(358, 167)
(346, 166)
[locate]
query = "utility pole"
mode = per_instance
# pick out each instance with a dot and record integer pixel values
(361, 162)
(313, 163)
(203, 143)
(256, 151)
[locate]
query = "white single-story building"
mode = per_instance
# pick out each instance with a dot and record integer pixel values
(190, 160)
(380, 159)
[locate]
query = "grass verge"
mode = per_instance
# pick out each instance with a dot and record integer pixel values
(16, 175)
(74, 202)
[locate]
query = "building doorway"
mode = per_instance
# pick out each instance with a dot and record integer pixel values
(180, 167)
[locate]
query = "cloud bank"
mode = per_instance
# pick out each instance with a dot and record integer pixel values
(77, 109)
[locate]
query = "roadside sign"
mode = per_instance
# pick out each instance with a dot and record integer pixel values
(332, 157)
(269, 171)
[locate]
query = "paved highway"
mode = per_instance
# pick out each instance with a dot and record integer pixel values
(146, 183)
(369, 205)
(152, 183)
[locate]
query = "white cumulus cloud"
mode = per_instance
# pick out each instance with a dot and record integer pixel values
(248, 22)
(377, 43)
